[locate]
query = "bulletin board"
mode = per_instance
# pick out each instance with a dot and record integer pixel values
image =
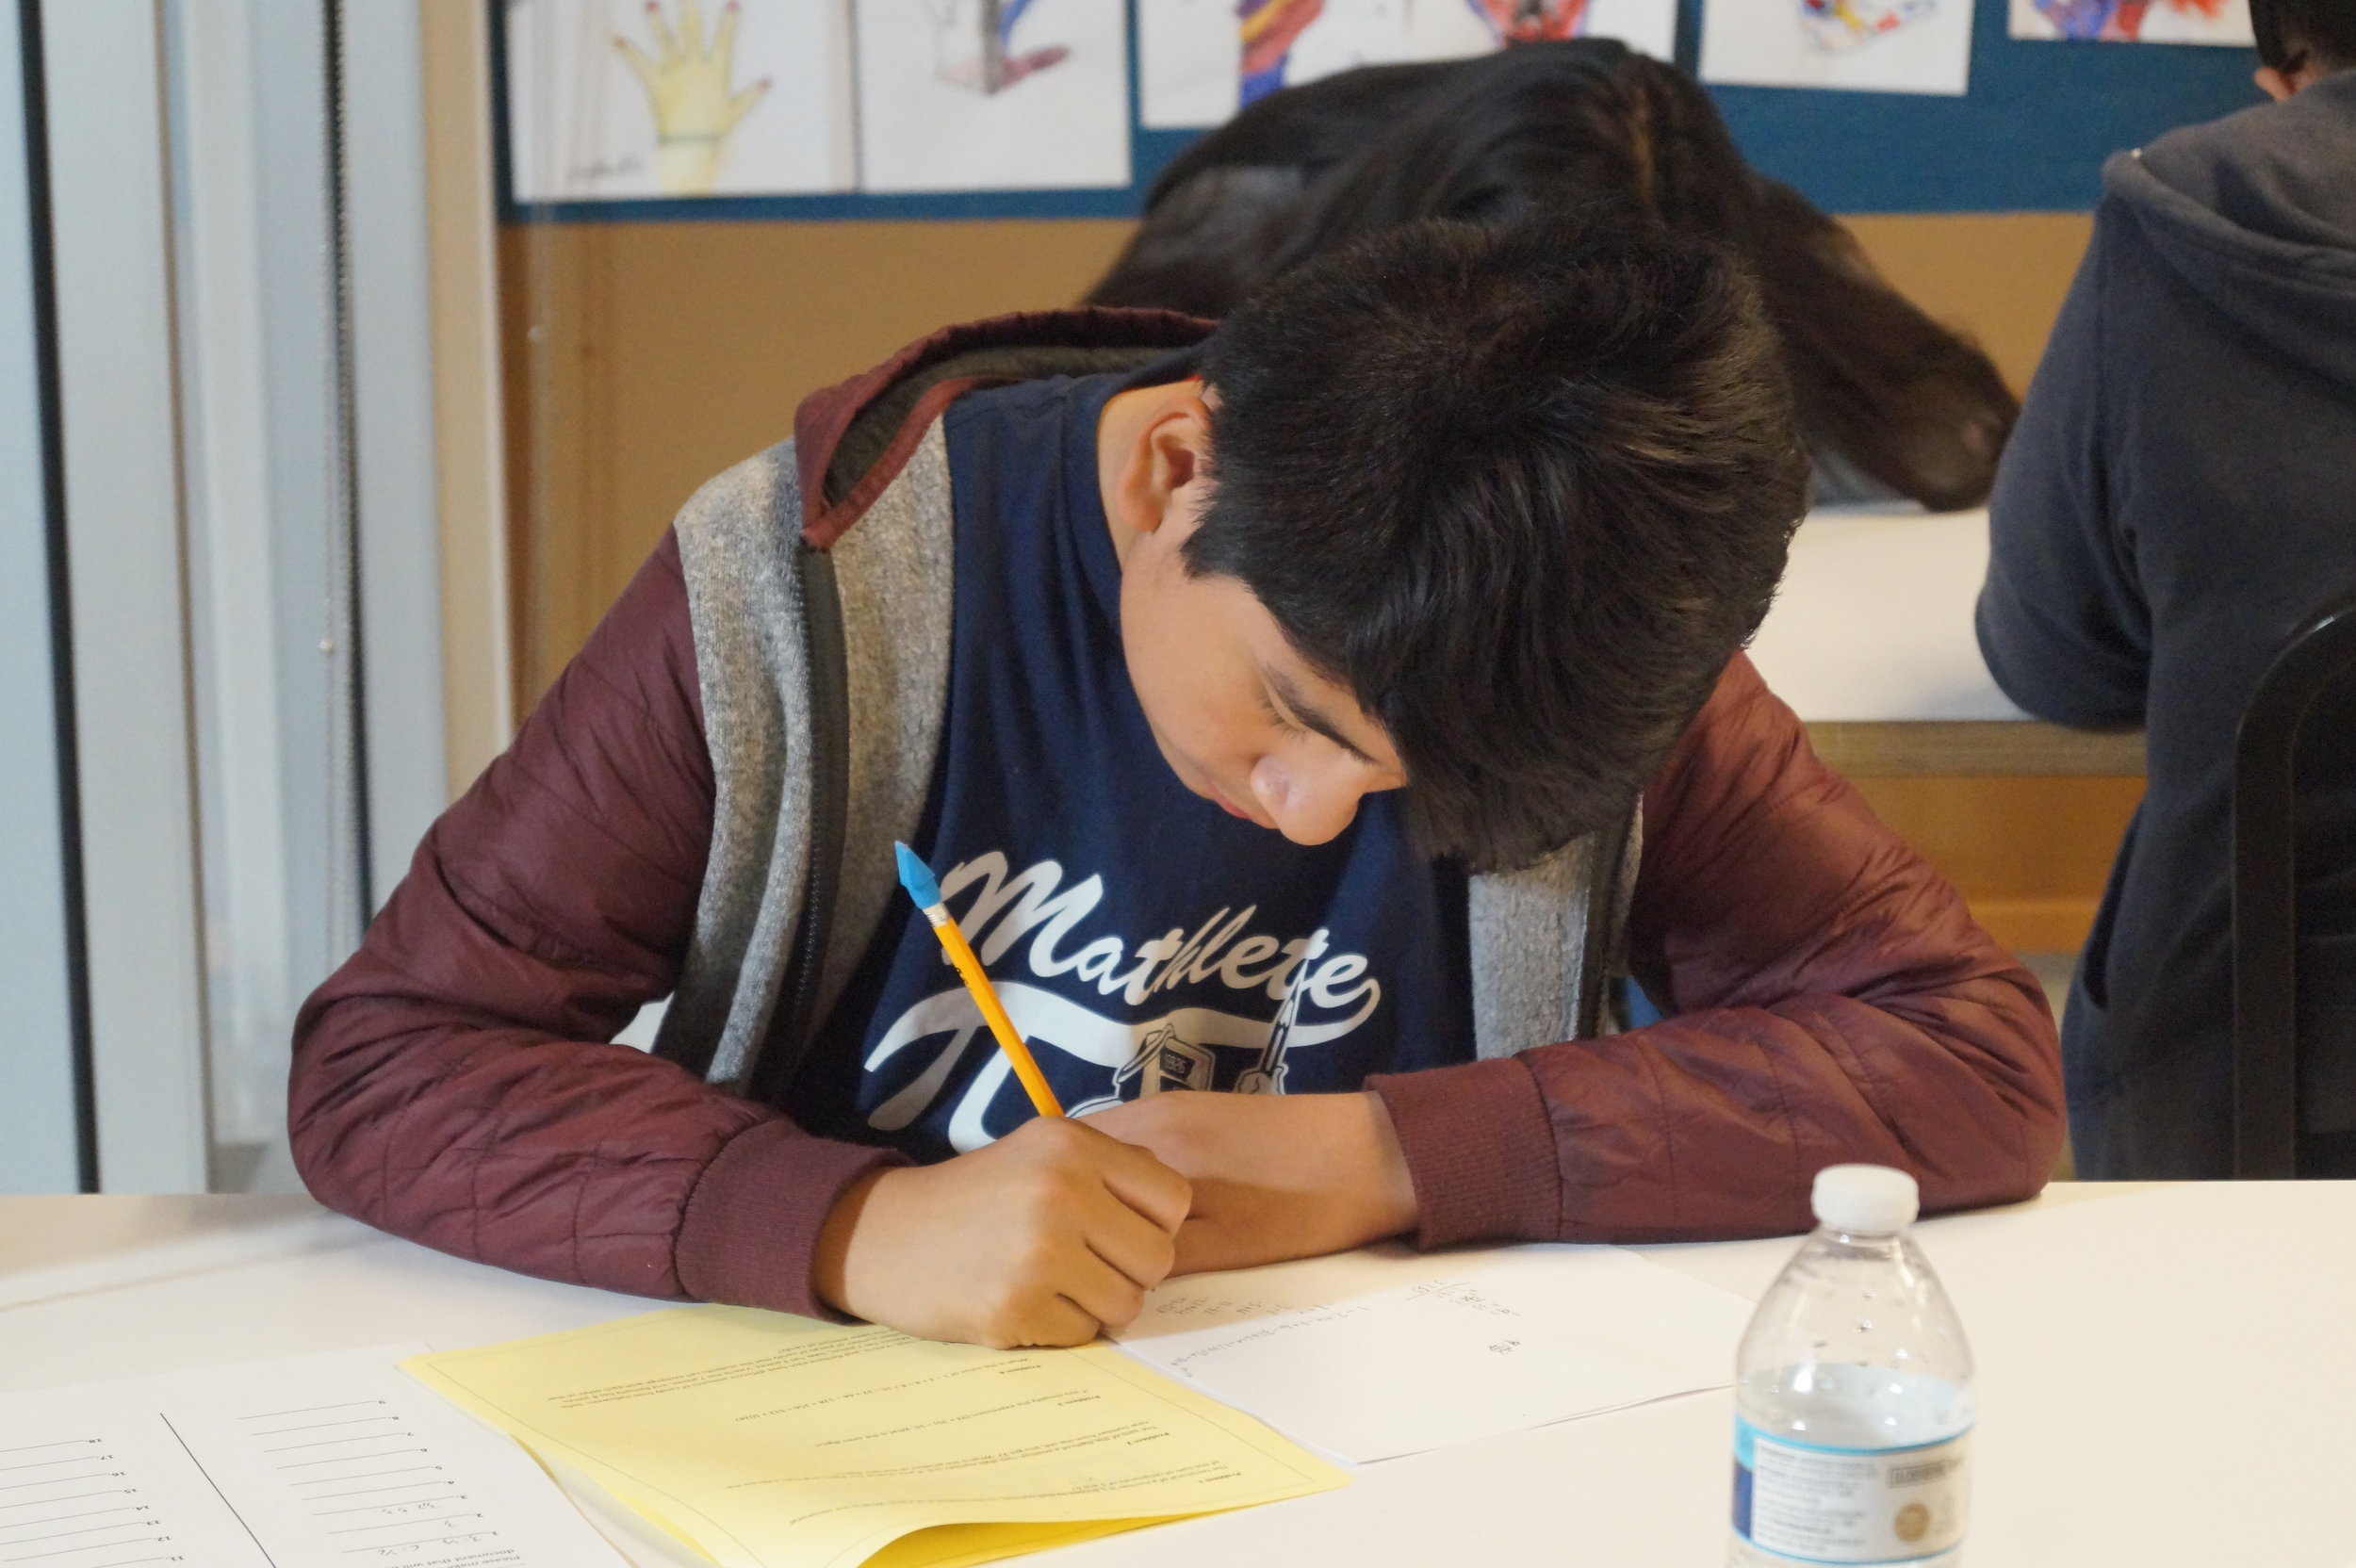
(2030, 135)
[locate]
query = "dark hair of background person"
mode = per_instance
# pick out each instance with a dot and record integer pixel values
(1883, 392)
(2297, 33)
(1523, 490)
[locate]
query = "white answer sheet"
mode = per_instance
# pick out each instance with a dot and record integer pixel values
(337, 1459)
(1371, 1355)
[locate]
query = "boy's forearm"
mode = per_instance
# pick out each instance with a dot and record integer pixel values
(1834, 1002)
(452, 1083)
(1832, 999)
(568, 1159)
(1709, 1126)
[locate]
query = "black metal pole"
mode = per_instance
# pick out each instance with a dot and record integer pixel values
(61, 588)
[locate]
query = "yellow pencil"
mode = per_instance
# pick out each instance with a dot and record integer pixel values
(917, 877)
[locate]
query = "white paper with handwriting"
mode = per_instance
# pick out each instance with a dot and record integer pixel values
(1375, 1354)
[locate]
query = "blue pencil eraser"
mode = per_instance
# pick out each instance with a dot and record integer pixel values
(917, 877)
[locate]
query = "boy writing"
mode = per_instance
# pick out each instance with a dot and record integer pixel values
(1314, 713)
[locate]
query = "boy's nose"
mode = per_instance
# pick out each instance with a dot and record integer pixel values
(1309, 806)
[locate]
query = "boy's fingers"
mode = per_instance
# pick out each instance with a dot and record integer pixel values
(1137, 1247)
(1097, 1288)
(1146, 1184)
(1058, 1321)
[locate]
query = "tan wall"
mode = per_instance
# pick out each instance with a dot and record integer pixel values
(2030, 854)
(478, 641)
(642, 358)
(1998, 276)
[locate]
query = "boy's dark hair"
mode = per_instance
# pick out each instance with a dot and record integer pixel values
(2293, 33)
(1522, 491)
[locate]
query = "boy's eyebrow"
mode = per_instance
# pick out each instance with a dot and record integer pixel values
(1309, 715)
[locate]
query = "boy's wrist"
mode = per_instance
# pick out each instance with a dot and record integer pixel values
(1389, 1183)
(751, 1229)
(828, 1265)
(1479, 1148)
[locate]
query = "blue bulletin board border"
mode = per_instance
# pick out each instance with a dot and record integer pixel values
(2030, 135)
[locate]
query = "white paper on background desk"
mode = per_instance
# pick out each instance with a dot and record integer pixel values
(1375, 1354)
(336, 1459)
(1873, 621)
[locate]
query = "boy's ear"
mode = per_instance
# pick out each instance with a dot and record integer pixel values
(1162, 476)
(2290, 80)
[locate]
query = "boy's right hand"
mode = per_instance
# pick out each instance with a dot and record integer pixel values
(1043, 1238)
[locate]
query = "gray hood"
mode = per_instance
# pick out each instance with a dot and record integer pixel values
(2257, 213)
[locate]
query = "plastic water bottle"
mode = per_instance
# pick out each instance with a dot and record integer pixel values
(1853, 1393)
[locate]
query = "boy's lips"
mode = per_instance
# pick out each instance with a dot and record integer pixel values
(1219, 798)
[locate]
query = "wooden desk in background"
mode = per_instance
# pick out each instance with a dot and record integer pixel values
(1870, 643)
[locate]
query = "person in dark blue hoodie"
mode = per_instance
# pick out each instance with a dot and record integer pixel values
(2178, 497)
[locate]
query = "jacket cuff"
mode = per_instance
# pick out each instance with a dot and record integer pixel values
(1480, 1150)
(750, 1234)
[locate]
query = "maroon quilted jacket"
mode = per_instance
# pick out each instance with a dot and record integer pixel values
(452, 1083)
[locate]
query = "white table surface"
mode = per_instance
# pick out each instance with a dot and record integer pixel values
(1873, 620)
(2167, 1383)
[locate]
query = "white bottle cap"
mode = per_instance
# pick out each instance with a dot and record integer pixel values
(1868, 1200)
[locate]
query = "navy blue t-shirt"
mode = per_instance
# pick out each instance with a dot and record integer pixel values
(1142, 939)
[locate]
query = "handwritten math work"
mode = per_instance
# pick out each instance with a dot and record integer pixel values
(1370, 1355)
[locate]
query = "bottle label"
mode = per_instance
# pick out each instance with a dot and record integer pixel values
(1815, 1504)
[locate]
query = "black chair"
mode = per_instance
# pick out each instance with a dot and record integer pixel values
(2266, 891)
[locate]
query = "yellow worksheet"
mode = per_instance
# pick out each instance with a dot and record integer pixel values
(766, 1441)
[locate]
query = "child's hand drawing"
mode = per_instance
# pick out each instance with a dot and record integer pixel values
(687, 87)
(1532, 21)
(1837, 24)
(2116, 21)
(974, 45)
(1269, 28)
